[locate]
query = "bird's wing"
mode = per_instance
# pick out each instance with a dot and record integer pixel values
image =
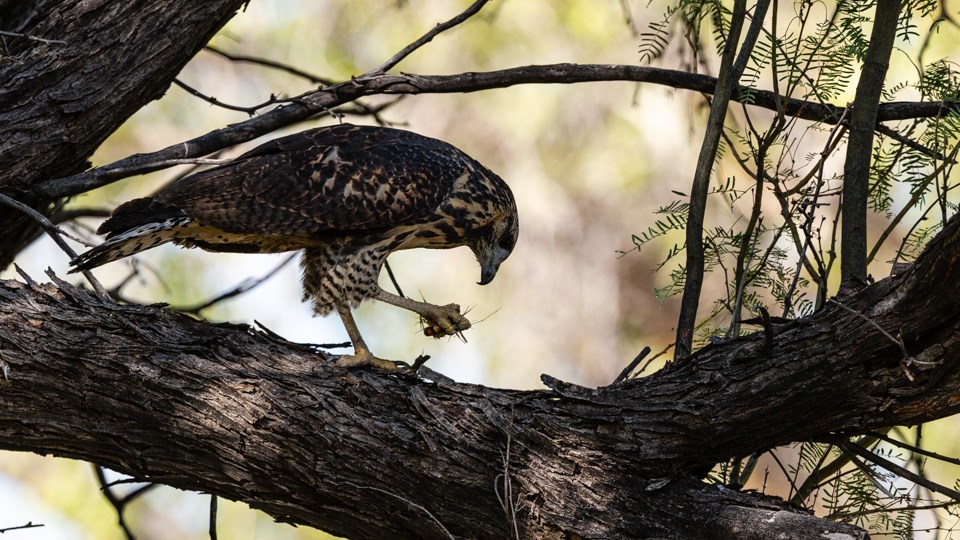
(329, 179)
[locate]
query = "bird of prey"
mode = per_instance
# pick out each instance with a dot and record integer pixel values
(348, 196)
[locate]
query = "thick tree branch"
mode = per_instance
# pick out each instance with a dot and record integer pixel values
(222, 409)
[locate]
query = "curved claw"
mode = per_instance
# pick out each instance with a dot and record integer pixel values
(444, 321)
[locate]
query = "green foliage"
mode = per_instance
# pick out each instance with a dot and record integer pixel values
(773, 235)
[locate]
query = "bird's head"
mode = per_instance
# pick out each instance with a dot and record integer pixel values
(494, 244)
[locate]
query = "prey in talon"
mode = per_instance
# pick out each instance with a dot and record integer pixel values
(346, 195)
(448, 320)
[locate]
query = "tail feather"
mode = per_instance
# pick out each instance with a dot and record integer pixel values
(127, 243)
(135, 213)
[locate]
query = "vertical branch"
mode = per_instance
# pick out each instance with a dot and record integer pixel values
(863, 119)
(728, 77)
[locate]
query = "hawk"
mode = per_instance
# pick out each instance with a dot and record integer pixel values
(348, 196)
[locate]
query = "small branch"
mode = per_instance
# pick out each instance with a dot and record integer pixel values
(726, 83)
(74, 213)
(213, 517)
(28, 525)
(408, 502)
(32, 38)
(293, 70)
(251, 110)
(245, 286)
(119, 503)
(910, 143)
(428, 37)
(57, 234)
(393, 279)
(897, 469)
(916, 449)
(631, 366)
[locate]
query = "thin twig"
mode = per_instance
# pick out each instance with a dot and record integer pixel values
(28, 525)
(32, 38)
(213, 517)
(631, 366)
(916, 449)
(293, 70)
(507, 501)
(74, 213)
(393, 279)
(408, 501)
(910, 143)
(897, 469)
(119, 503)
(896, 340)
(251, 110)
(726, 84)
(245, 286)
(57, 234)
(428, 37)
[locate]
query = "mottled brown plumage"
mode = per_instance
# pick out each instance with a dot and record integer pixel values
(348, 196)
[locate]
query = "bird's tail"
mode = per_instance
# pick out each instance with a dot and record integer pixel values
(135, 226)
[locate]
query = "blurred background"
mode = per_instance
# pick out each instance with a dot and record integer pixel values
(588, 163)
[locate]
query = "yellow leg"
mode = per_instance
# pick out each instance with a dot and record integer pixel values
(361, 353)
(443, 320)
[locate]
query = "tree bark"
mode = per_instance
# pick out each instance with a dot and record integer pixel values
(59, 100)
(223, 409)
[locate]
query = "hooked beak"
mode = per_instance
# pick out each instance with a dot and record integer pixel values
(488, 271)
(487, 275)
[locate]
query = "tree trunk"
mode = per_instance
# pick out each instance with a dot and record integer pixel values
(59, 100)
(225, 410)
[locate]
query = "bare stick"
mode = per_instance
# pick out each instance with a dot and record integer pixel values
(32, 38)
(57, 234)
(28, 525)
(897, 342)
(293, 70)
(897, 469)
(632, 365)
(726, 84)
(428, 37)
(408, 501)
(213, 517)
(251, 110)
(243, 287)
(119, 503)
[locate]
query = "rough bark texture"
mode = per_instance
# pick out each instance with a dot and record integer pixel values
(59, 101)
(368, 455)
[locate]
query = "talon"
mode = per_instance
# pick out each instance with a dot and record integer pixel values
(364, 358)
(444, 321)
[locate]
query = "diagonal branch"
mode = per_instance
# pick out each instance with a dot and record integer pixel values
(428, 37)
(329, 97)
